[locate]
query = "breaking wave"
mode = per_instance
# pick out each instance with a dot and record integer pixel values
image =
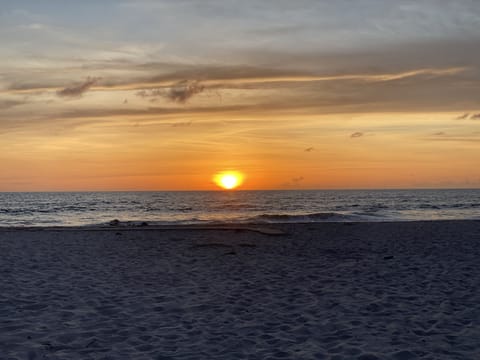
(183, 208)
(298, 218)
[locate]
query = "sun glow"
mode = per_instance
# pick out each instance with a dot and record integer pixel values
(228, 179)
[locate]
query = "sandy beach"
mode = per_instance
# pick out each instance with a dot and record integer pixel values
(303, 291)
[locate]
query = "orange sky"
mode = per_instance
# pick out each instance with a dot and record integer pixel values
(291, 100)
(330, 151)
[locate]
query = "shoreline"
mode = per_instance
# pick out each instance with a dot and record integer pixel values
(398, 290)
(137, 225)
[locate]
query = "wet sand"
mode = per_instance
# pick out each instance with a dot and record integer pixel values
(305, 291)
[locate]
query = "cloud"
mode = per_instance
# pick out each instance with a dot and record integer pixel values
(440, 133)
(6, 104)
(179, 92)
(142, 93)
(376, 82)
(223, 76)
(356, 134)
(184, 90)
(151, 93)
(462, 117)
(433, 77)
(466, 139)
(475, 116)
(93, 113)
(294, 181)
(297, 179)
(79, 89)
(310, 149)
(182, 124)
(288, 70)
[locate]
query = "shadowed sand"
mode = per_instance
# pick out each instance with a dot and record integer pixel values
(314, 291)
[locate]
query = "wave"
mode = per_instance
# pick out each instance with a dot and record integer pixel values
(312, 217)
(259, 219)
(199, 208)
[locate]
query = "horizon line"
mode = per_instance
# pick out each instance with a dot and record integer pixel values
(243, 190)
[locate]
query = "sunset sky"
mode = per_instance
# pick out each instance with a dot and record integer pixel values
(305, 94)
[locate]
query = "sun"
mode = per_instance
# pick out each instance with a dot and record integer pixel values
(228, 180)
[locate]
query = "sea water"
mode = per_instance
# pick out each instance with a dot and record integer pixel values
(201, 207)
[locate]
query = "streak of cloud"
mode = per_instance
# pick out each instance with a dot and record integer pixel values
(475, 116)
(79, 89)
(462, 117)
(179, 92)
(297, 179)
(314, 91)
(89, 113)
(466, 139)
(182, 124)
(293, 181)
(151, 93)
(6, 104)
(356, 134)
(309, 149)
(173, 85)
(184, 90)
(224, 77)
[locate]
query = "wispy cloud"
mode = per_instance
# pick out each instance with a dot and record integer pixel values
(184, 90)
(150, 93)
(182, 124)
(180, 92)
(173, 85)
(6, 104)
(467, 139)
(78, 89)
(251, 75)
(309, 149)
(260, 89)
(462, 117)
(294, 181)
(356, 134)
(475, 116)
(158, 111)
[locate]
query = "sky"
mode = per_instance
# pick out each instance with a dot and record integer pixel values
(306, 94)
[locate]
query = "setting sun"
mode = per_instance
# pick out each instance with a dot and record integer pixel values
(228, 180)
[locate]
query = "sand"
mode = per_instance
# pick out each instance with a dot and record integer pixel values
(305, 291)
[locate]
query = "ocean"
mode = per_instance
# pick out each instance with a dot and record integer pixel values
(204, 207)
